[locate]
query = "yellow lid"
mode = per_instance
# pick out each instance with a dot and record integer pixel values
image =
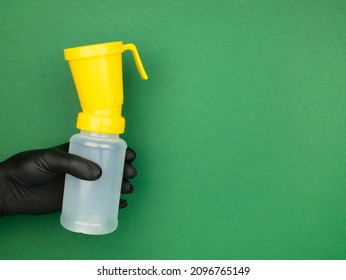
(97, 74)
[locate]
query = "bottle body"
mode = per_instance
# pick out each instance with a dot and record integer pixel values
(91, 207)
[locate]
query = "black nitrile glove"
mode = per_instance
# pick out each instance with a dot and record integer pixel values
(32, 182)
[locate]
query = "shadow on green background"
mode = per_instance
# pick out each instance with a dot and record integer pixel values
(239, 130)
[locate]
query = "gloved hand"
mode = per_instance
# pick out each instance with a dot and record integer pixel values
(32, 182)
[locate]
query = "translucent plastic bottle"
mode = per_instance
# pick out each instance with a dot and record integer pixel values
(91, 207)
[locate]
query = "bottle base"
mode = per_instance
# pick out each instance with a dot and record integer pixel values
(88, 228)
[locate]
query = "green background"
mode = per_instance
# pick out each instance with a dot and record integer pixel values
(240, 129)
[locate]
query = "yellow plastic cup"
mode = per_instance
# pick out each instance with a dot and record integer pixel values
(97, 74)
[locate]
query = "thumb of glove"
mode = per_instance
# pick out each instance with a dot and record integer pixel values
(40, 166)
(61, 162)
(32, 182)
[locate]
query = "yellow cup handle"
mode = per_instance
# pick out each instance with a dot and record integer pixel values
(140, 68)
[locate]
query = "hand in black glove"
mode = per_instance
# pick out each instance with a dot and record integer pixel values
(32, 182)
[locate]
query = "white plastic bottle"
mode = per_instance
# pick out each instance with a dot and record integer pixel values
(91, 207)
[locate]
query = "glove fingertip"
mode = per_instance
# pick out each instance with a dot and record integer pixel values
(127, 187)
(122, 203)
(130, 171)
(130, 155)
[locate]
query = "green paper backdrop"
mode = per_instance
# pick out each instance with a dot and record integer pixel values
(240, 129)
